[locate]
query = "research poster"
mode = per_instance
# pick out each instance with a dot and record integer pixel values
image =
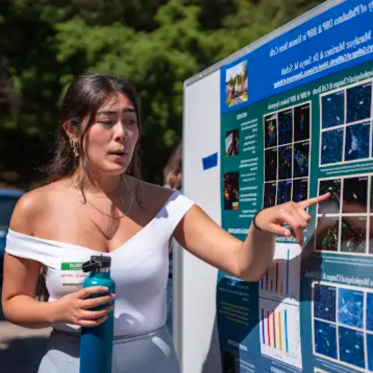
(297, 122)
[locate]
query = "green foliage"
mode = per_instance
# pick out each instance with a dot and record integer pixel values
(153, 44)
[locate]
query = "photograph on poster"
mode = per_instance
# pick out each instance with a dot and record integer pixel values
(270, 191)
(346, 124)
(342, 324)
(359, 102)
(301, 159)
(302, 122)
(354, 234)
(229, 362)
(231, 190)
(236, 84)
(331, 146)
(327, 233)
(284, 191)
(357, 141)
(270, 130)
(286, 155)
(343, 221)
(285, 127)
(270, 157)
(332, 205)
(333, 109)
(285, 168)
(300, 190)
(232, 143)
(355, 195)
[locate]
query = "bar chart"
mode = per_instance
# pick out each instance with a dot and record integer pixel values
(279, 332)
(281, 282)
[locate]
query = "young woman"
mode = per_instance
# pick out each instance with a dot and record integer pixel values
(94, 203)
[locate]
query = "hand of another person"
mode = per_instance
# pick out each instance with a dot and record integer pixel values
(74, 308)
(291, 213)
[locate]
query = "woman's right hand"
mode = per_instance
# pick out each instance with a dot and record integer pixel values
(74, 308)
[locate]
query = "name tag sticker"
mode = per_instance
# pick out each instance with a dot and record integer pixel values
(72, 273)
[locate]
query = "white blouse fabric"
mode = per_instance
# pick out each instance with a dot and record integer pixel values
(139, 268)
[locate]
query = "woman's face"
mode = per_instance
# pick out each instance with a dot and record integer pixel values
(111, 140)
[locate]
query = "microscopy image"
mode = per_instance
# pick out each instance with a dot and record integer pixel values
(332, 146)
(270, 164)
(269, 195)
(327, 234)
(370, 351)
(333, 109)
(283, 192)
(300, 190)
(285, 127)
(369, 312)
(325, 339)
(302, 122)
(359, 101)
(357, 141)
(371, 194)
(270, 130)
(351, 307)
(324, 302)
(332, 205)
(301, 157)
(354, 233)
(351, 347)
(355, 195)
(285, 155)
(231, 190)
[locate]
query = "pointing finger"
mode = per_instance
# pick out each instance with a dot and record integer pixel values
(296, 223)
(313, 201)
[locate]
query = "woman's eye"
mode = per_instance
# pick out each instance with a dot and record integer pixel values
(107, 122)
(131, 122)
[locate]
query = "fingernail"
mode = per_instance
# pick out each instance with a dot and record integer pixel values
(104, 288)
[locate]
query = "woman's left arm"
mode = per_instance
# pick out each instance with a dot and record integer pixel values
(247, 260)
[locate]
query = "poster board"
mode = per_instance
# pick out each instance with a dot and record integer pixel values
(293, 117)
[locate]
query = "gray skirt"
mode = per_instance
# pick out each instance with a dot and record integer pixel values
(153, 352)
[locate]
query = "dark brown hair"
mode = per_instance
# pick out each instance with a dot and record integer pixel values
(86, 94)
(172, 173)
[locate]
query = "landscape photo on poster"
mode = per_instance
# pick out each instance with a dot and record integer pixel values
(236, 84)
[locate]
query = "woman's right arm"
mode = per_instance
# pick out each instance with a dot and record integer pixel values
(20, 306)
(19, 291)
(20, 281)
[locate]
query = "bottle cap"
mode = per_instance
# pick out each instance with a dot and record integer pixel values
(96, 263)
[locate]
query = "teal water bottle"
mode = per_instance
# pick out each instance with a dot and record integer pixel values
(96, 343)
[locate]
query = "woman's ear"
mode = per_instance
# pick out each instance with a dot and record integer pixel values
(71, 131)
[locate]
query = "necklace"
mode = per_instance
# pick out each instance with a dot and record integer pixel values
(120, 198)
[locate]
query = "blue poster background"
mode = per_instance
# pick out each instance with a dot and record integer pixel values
(326, 60)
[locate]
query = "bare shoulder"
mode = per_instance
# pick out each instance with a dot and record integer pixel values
(31, 207)
(154, 196)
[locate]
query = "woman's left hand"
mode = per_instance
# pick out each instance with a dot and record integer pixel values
(291, 213)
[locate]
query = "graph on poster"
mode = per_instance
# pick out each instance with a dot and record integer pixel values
(281, 282)
(280, 334)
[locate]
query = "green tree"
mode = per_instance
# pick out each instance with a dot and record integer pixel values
(154, 44)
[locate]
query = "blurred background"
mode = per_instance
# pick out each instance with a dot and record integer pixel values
(153, 44)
